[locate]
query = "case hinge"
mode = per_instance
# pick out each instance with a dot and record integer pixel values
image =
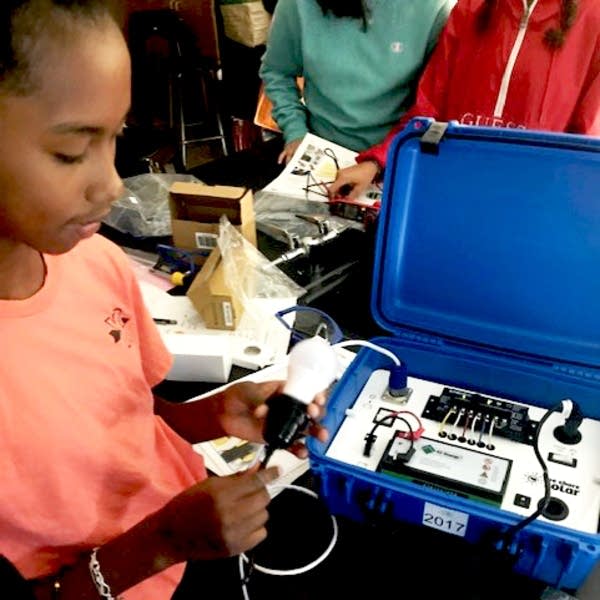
(579, 372)
(430, 140)
(421, 338)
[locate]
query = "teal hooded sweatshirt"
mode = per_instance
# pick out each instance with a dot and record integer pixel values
(358, 82)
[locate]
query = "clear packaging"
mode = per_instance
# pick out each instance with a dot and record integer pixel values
(143, 208)
(249, 273)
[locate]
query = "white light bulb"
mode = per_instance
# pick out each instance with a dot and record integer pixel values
(312, 367)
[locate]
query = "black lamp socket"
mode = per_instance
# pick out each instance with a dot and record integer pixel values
(285, 422)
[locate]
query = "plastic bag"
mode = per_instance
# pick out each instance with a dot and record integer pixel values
(263, 291)
(249, 273)
(143, 209)
(293, 222)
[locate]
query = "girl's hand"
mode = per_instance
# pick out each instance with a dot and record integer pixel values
(288, 151)
(216, 518)
(244, 412)
(356, 179)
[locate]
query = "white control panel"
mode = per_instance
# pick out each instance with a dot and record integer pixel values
(474, 445)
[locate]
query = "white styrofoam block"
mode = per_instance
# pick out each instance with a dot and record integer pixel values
(199, 357)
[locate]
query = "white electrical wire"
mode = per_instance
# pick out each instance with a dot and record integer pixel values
(477, 417)
(461, 412)
(370, 345)
(491, 432)
(244, 559)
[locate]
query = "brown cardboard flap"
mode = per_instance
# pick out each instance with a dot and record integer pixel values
(206, 209)
(197, 208)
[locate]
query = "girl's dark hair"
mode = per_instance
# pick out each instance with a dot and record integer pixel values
(23, 23)
(354, 9)
(554, 37)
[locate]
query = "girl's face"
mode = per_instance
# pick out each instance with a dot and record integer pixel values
(57, 174)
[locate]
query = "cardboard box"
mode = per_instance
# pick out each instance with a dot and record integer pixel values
(196, 209)
(212, 297)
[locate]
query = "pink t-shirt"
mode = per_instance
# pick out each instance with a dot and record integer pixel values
(83, 457)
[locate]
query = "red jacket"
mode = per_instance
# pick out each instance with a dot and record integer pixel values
(553, 90)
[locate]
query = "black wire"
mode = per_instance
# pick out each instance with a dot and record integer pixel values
(306, 187)
(268, 454)
(331, 154)
(316, 183)
(511, 532)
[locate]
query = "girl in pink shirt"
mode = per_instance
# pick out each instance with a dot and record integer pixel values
(96, 471)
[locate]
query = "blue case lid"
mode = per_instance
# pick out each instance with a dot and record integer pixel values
(491, 237)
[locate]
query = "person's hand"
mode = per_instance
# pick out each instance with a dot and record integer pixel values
(353, 181)
(288, 151)
(216, 518)
(243, 412)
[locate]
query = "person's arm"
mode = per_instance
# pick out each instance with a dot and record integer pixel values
(217, 518)
(281, 64)
(586, 117)
(239, 411)
(211, 417)
(126, 560)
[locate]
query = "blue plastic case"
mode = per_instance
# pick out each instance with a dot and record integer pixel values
(487, 276)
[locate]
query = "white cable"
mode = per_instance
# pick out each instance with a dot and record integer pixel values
(486, 418)
(242, 578)
(477, 417)
(491, 433)
(370, 345)
(461, 412)
(243, 558)
(567, 407)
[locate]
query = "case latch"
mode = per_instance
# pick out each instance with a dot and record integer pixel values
(430, 140)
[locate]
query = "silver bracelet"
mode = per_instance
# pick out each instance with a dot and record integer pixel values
(102, 587)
